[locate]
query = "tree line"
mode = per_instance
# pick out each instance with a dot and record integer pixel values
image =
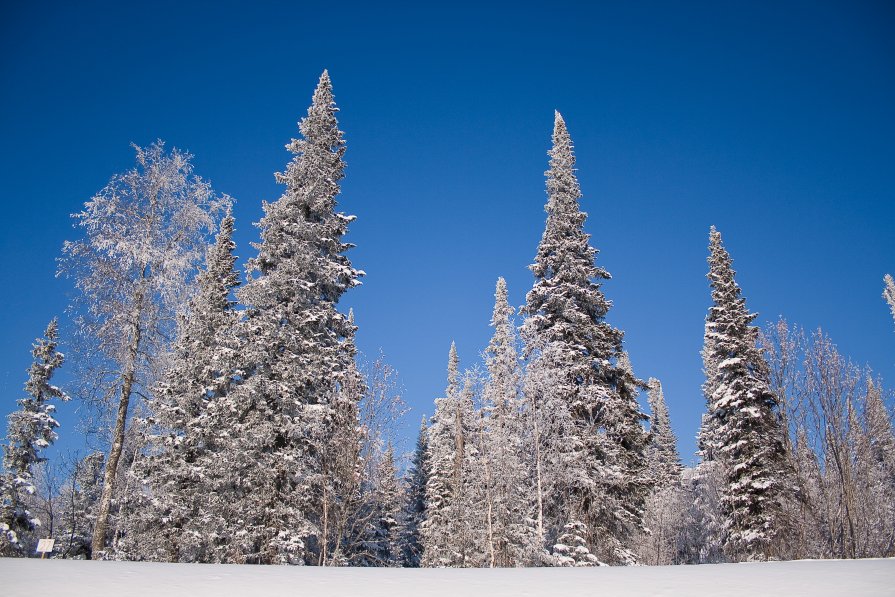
(238, 427)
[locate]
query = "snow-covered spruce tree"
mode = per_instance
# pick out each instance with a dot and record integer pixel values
(382, 543)
(510, 508)
(30, 429)
(180, 469)
(437, 530)
(743, 431)
(565, 331)
(448, 534)
(665, 463)
(571, 549)
(144, 236)
(294, 360)
(414, 512)
(889, 293)
(665, 506)
(79, 501)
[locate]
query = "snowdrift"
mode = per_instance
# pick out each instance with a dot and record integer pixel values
(130, 579)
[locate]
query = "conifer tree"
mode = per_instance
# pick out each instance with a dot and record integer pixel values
(79, 501)
(414, 514)
(180, 469)
(510, 509)
(743, 429)
(665, 463)
(566, 332)
(30, 429)
(440, 489)
(295, 360)
(571, 550)
(451, 512)
(383, 545)
(665, 507)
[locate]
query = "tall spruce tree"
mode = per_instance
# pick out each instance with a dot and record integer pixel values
(295, 358)
(665, 463)
(665, 506)
(414, 514)
(30, 429)
(512, 535)
(449, 532)
(743, 431)
(566, 332)
(180, 469)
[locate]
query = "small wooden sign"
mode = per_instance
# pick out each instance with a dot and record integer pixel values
(45, 546)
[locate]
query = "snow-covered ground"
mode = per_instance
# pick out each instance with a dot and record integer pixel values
(129, 579)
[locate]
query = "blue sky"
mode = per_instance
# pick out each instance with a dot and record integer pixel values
(773, 121)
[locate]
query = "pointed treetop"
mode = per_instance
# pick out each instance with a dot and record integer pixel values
(562, 154)
(502, 309)
(325, 82)
(453, 370)
(558, 121)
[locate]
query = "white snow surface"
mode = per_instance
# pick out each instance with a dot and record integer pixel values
(132, 579)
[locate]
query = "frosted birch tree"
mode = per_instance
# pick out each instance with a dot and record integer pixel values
(144, 237)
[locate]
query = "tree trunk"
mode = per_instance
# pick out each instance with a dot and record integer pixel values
(127, 383)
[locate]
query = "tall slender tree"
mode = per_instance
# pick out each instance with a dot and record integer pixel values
(414, 514)
(512, 536)
(295, 358)
(180, 469)
(31, 428)
(566, 332)
(743, 430)
(452, 521)
(665, 463)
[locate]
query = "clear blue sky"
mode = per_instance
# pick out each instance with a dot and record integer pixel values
(772, 120)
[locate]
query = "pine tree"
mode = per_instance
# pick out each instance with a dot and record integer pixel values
(665, 506)
(512, 535)
(414, 514)
(79, 502)
(448, 532)
(30, 429)
(743, 428)
(295, 359)
(665, 463)
(180, 470)
(571, 550)
(565, 330)
(383, 546)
